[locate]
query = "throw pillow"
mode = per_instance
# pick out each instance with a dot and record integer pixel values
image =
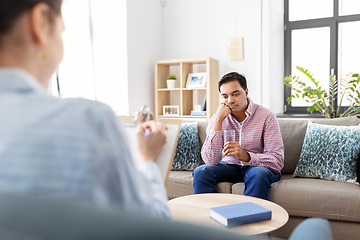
(293, 133)
(329, 152)
(187, 155)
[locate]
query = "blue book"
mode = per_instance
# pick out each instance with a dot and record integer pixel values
(198, 113)
(203, 107)
(239, 214)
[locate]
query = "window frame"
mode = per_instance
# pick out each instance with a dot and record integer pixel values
(332, 22)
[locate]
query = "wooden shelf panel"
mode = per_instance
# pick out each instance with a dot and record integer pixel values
(169, 116)
(178, 116)
(177, 89)
(189, 116)
(186, 60)
(192, 89)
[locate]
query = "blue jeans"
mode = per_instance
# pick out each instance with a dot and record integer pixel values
(257, 180)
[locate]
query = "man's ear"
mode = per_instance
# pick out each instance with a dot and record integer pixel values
(246, 92)
(40, 23)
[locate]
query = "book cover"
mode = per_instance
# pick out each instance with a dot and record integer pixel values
(239, 214)
(203, 107)
(198, 113)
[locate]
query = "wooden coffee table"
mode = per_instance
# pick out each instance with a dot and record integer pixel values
(196, 209)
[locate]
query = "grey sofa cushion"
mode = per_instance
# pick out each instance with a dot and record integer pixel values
(309, 197)
(293, 133)
(202, 132)
(180, 183)
(329, 152)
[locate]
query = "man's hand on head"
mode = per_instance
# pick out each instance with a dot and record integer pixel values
(221, 113)
(223, 110)
(227, 106)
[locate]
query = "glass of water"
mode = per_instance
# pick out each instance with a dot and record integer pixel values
(229, 136)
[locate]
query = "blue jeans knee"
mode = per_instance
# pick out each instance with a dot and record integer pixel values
(258, 181)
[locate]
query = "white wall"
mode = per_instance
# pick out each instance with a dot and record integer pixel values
(144, 35)
(272, 59)
(200, 28)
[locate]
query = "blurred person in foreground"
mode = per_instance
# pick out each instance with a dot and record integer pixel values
(64, 148)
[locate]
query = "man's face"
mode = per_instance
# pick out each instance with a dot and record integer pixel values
(234, 96)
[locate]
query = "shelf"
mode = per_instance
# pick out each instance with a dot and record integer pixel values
(184, 89)
(192, 89)
(189, 116)
(186, 98)
(170, 116)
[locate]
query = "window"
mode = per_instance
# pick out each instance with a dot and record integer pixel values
(321, 36)
(95, 59)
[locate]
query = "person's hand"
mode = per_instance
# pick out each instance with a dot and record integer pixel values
(234, 149)
(150, 146)
(221, 113)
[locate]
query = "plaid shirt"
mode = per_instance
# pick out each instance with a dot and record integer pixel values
(260, 137)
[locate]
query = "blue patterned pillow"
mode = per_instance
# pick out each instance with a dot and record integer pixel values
(187, 155)
(329, 152)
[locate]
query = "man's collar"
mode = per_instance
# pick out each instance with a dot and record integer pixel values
(250, 109)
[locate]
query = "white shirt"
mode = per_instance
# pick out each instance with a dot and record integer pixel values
(70, 148)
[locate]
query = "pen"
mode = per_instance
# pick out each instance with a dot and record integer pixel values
(147, 132)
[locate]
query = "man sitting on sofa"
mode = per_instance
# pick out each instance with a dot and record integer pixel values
(257, 160)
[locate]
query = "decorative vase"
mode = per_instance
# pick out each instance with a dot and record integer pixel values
(170, 83)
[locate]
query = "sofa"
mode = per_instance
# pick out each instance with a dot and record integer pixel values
(302, 198)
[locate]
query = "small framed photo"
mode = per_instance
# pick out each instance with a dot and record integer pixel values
(171, 110)
(196, 80)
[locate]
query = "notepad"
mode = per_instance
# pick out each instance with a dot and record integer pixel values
(166, 156)
(238, 214)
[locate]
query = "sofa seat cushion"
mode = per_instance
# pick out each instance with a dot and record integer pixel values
(238, 188)
(308, 197)
(180, 183)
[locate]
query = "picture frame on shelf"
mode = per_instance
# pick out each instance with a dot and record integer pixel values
(196, 80)
(171, 110)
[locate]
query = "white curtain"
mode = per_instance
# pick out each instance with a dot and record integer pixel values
(95, 59)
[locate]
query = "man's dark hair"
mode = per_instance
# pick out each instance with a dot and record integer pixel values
(11, 10)
(233, 76)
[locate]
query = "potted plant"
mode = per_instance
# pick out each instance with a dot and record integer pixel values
(322, 100)
(171, 79)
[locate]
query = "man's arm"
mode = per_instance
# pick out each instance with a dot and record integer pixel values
(211, 152)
